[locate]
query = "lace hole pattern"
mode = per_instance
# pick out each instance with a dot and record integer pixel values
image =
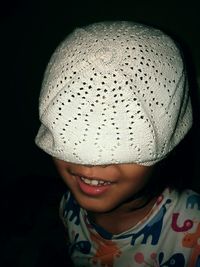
(114, 90)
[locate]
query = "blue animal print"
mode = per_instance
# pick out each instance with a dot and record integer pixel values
(72, 209)
(83, 246)
(192, 201)
(176, 260)
(153, 228)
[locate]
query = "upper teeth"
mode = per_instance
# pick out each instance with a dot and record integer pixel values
(93, 181)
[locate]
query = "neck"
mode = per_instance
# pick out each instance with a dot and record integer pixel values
(130, 212)
(138, 202)
(123, 217)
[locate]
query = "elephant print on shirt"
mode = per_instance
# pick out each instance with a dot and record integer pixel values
(192, 201)
(187, 225)
(176, 260)
(72, 209)
(83, 246)
(192, 240)
(153, 228)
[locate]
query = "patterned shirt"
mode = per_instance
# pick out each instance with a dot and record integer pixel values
(168, 236)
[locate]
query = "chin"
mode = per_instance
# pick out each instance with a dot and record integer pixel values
(96, 209)
(95, 205)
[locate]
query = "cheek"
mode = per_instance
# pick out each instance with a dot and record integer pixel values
(129, 188)
(140, 178)
(67, 178)
(63, 172)
(141, 181)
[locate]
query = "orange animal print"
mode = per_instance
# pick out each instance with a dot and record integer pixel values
(192, 240)
(106, 250)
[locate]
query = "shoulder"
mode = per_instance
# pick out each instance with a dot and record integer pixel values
(188, 200)
(184, 210)
(180, 207)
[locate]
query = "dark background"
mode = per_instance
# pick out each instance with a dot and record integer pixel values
(29, 184)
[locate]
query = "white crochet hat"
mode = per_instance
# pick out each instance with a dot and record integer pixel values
(114, 92)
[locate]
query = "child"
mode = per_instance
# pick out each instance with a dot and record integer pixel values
(114, 104)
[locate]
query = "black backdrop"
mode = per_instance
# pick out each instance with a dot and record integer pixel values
(30, 31)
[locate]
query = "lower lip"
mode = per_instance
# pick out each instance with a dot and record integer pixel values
(92, 190)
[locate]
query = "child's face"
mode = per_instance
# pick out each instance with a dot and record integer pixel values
(112, 185)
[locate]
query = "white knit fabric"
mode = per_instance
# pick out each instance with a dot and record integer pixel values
(114, 92)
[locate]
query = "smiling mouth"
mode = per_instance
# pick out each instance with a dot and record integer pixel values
(91, 186)
(94, 182)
